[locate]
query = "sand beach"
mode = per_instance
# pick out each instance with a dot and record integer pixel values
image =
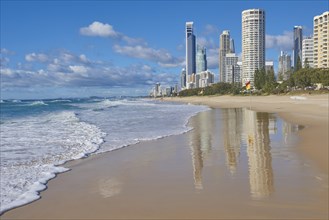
(262, 157)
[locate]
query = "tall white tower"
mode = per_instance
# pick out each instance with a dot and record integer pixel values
(253, 43)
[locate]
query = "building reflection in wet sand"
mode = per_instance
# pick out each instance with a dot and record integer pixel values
(239, 128)
(257, 129)
(200, 144)
(231, 130)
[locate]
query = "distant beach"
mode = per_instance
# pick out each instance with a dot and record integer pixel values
(270, 161)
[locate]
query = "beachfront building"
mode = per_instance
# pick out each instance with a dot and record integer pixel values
(321, 40)
(232, 69)
(284, 66)
(298, 41)
(204, 79)
(190, 52)
(307, 52)
(253, 43)
(224, 48)
(201, 59)
(156, 90)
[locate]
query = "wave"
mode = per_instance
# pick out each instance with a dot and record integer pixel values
(61, 100)
(54, 139)
(37, 103)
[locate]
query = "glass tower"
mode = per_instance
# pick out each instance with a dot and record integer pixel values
(190, 51)
(201, 59)
(298, 42)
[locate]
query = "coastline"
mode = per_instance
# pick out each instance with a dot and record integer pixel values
(152, 179)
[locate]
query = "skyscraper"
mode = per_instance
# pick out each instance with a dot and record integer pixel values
(253, 43)
(321, 41)
(224, 48)
(201, 59)
(190, 52)
(298, 41)
(284, 66)
(307, 52)
(232, 47)
(232, 69)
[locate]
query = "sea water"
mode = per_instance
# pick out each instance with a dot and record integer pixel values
(39, 136)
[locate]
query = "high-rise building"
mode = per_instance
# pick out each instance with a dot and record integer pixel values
(232, 48)
(224, 48)
(284, 66)
(321, 41)
(201, 59)
(232, 69)
(253, 43)
(204, 79)
(183, 78)
(298, 41)
(190, 52)
(307, 52)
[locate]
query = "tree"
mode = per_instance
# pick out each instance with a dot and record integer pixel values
(260, 78)
(306, 63)
(299, 64)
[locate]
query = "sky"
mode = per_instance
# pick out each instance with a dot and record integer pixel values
(52, 49)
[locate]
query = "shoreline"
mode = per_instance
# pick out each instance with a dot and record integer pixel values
(148, 169)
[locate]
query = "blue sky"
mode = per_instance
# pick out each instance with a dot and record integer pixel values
(53, 49)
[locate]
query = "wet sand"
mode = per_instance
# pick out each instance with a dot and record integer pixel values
(234, 164)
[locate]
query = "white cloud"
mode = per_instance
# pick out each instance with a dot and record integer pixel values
(66, 69)
(280, 42)
(79, 69)
(6, 51)
(162, 57)
(98, 29)
(83, 58)
(39, 57)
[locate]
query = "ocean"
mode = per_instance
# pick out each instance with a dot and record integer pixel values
(39, 136)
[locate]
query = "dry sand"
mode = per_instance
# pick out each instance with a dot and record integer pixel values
(198, 175)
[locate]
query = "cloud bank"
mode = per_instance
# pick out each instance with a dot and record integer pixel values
(70, 70)
(280, 42)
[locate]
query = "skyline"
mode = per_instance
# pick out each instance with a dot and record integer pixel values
(83, 48)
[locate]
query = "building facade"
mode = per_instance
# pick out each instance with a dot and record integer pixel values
(298, 42)
(232, 69)
(284, 66)
(204, 79)
(190, 52)
(320, 40)
(224, 48)
(253, 43)
(201, 59)
(307, 52)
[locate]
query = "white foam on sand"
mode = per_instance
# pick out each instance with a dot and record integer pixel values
(298, 97)
(33, 147)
